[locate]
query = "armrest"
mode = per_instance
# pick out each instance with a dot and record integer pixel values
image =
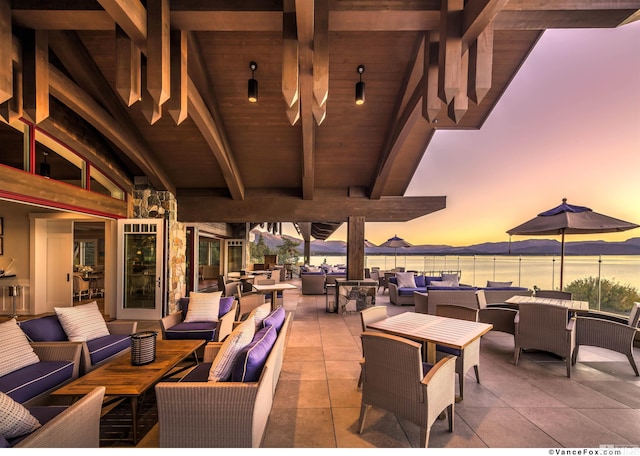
(225, 323)
(76, 427)
(211, 351)
(60, 351)
(170, 321)
(122, 327)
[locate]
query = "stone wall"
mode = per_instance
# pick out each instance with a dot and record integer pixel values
(150, 203)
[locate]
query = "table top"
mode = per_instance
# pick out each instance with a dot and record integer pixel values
(121, 378)
(281, 286)
(451, 332)
(572, 304)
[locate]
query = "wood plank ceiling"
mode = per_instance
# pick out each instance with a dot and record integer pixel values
(165, 83)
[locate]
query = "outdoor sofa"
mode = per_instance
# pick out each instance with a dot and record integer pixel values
(401, 292)
(312, 283)
(95, 351)
(197, 412)
(73, 426)
(29, 371)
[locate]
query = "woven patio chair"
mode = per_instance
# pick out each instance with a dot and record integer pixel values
(367, 316)
(545, 327)
(608, 331)
(396, 379)
(248, 303)
(554, 294)
(500, 315)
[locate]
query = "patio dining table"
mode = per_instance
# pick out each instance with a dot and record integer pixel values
(273, 289)
(432, 330)
(570, 303)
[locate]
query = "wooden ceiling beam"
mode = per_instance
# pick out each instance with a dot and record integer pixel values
(205, 112)
(431, 103)
(178, 101)
(6, 44)
(476, 17)
(290, 56)
(321, 60)
(158, 51)
(460, 103)
(201, 116)
(131, 16)
(128, 68)
(481, 65)
(410, 94)
(199, 205)
(304, 10)
(35, 67)
(84, 105)
(450, 49)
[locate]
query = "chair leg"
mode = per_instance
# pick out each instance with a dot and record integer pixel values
(632, 361)
(461, 383)
(574, 357)
(450, 415)
(476, 368)
(424, 436)
(363, 414)
(568, 362)
(516, 355)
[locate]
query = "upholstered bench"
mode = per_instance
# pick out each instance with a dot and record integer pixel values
(30, 371)
(226, 400)
(101, 341)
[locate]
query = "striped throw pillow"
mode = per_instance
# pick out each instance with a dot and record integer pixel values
(231, 347)
(82, 323)
(260, 313)
(15, 419)
(16, 351)
(203, 307)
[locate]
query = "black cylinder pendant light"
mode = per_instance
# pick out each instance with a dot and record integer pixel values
(360, 87)
(252, 88)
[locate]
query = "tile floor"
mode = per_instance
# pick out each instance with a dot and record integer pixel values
(532, 405)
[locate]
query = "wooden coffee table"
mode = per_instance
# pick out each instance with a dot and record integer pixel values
(123, 380)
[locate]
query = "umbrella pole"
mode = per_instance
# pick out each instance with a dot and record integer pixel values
(562, 261)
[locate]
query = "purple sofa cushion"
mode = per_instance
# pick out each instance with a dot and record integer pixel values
(393, 280)
(104, 347)
(250, 361)
(196, 330)
(31, 381)
(421, 281)
(44, 329)
(275, 318)
(224, 307)
(200, 373)
(429, 279)
(409, 291)
(452, 288)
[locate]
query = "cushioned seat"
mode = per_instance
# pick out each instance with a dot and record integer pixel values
(105, 347)
(195, 330)
(41, 376)
(174, 326)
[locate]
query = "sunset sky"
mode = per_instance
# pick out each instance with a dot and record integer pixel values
(568, 126)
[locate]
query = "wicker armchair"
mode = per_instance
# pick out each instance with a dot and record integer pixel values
(545, 327)
(367, 316)
(396, 380)
(608, 331)
(493, 310)
(78, 426)
(554, 294)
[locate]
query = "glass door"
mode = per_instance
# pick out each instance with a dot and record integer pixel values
(141, 266)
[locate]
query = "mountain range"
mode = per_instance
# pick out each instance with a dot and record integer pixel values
(524, 247)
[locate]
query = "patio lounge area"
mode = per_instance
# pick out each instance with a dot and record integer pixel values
(532, 405)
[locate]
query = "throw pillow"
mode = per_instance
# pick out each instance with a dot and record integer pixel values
(453, 278)
(275, 318)
(491, 284)
(252, 358)
(16, 351)
(82, 323)
(420, 281)
(259, 314)
(15, 419)
(203, 307)
(236, 341)
(441, 283)
(225, 305)
(406, 280)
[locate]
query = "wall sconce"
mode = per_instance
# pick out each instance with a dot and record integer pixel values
(252, 90)
(360, 87)
(45, 168)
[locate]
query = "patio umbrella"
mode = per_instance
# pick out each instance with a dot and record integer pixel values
(570, 219)
(395, 242)
(369, 244)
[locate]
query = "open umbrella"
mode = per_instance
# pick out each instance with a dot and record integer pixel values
(369, 244)
(395, 242)
(570, 219)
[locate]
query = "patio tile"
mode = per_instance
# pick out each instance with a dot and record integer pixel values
(302, 394)
(576, 395)
(505, 428)
(303, 354)
(625, 423)
(343, 370)
(351, 352)
(571, 428)
(627, 393)
(300, 428)
(461, 437)
(344, 393)
(381, 429)
(521, 394)
(303, 370)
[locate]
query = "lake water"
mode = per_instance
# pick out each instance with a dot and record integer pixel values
(525, 271)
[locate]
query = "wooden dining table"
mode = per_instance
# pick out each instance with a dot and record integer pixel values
(432, 330)
(570, 303)
(273, 289)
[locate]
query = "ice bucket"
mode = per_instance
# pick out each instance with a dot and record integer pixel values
(143, 347)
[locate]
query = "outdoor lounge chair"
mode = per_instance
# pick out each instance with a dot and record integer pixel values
(545, 327)
(608, 331)
(396, 379)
